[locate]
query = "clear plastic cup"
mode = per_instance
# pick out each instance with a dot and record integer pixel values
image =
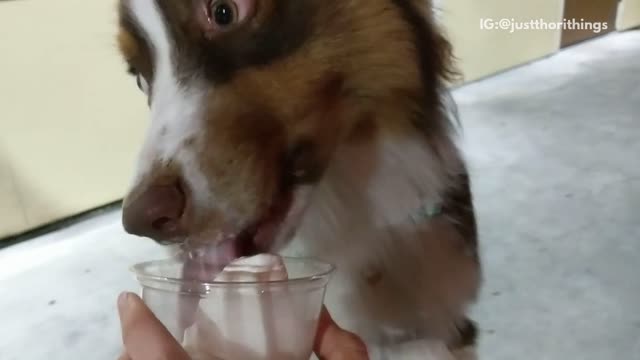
(238, 320)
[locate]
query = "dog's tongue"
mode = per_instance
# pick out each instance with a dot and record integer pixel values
(202, 265)
(223, 262)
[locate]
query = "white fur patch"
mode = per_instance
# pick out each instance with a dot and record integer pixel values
(359, 218)
(373, 186)
(177, 110)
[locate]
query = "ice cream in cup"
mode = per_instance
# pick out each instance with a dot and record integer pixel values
(254, 308)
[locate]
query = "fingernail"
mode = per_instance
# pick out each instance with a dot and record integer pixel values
(124, 301)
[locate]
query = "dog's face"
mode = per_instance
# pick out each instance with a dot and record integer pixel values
(249, 100)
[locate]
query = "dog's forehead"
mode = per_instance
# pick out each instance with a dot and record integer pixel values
(153, 30)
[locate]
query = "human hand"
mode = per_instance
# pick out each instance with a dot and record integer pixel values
(143, 335)
(145, 338)
(334, 343)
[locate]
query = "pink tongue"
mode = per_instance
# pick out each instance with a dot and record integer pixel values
(202, 265)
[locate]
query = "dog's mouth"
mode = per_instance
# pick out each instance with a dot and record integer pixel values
(261, 236)
(204, 260)
(204, 263)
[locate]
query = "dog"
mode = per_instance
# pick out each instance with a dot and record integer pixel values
(315, 128)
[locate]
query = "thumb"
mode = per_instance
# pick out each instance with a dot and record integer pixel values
(143, 335)
(334, 343)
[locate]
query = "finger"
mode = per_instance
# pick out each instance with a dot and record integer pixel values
(143, 335)
(334, 343)
(124, 357)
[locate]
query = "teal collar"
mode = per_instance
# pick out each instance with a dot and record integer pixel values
(426, 212)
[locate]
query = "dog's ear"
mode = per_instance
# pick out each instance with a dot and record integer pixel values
(433, 112)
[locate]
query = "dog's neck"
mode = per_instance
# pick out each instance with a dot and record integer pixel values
(376, 184)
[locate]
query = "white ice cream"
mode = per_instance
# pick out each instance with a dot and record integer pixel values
(259, 268)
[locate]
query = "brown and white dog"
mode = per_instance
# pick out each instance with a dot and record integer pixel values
(319, 120)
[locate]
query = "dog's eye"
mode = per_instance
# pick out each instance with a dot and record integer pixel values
(222, 15)
(142, 84)
(223, 12)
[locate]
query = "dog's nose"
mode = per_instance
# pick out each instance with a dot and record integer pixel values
(155, 213)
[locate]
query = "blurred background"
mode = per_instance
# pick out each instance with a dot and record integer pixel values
(65, 99)
(551, 123)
